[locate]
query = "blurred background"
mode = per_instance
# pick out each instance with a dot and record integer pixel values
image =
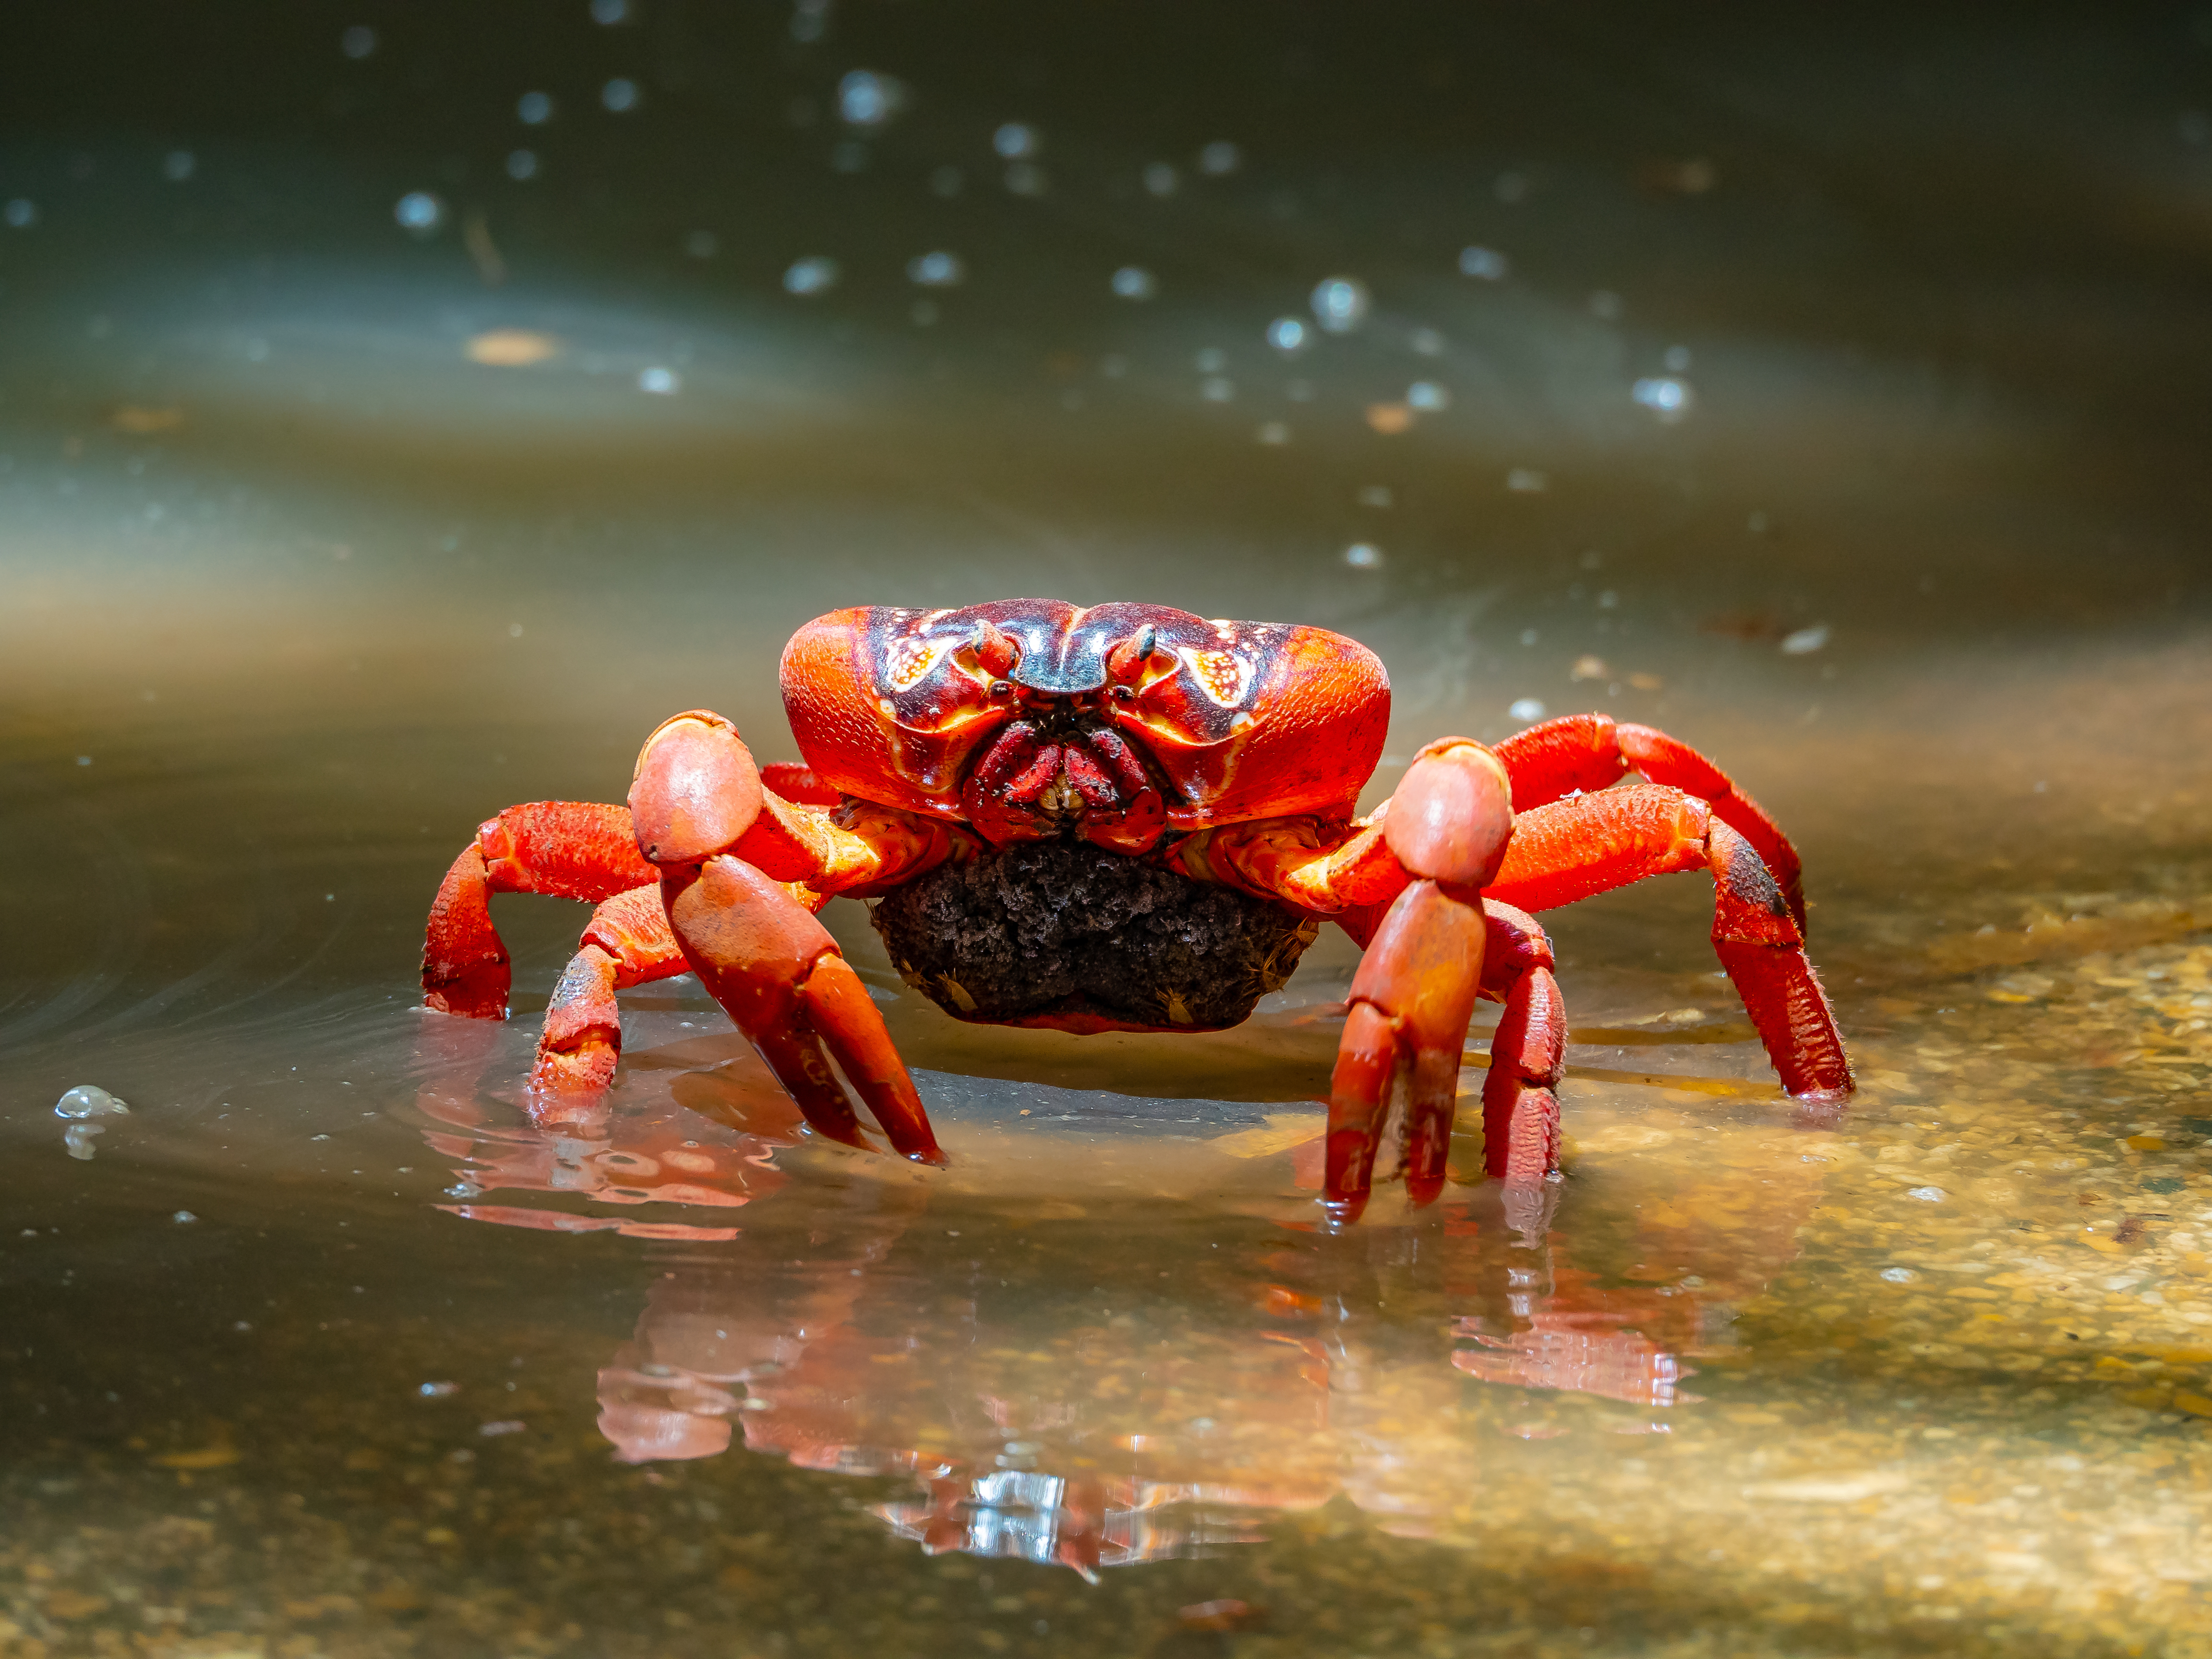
(404, 408)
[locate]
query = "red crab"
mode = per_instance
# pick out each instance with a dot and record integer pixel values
(1126, 818)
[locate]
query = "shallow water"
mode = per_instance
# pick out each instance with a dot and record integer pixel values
(320, 541)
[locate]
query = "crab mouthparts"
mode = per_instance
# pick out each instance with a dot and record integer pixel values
(1050, 776)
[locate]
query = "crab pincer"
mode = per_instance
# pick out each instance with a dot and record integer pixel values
(757, 948)
(1397, 1067)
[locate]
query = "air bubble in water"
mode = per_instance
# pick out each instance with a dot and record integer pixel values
(1219, 158)
(1015, 141)
(661, 382)
(1025, 179)
(1339, 303)
(1364, 555)
(184, 1218)
(1428, 395)
(1806, 640)
(1677, 359)
(1527, 708)
(89, 1100)
(1211, 361)
(702, 244)
(620, 94)
(1161, 179)
(534, 109)
(935, 270)
(1483, 262)
(1427, 342)
(420, 211)
(438, 1390)
(1135, 282)
(1900, 1275)
(1668, 398)
(179, 165)
(1217, 389)
(78, 1140)
(816, 274)
(865, 99)
(522, 164)
(947, 180)
(608, 13)
(21, 214)
(357, 42)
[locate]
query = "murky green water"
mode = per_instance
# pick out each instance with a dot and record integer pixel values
(1830, 394)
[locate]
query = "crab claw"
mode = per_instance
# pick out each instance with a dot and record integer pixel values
(756, 948)
(765, 959)
(1397, 1068)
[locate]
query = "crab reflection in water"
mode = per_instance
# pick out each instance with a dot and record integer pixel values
(1058, 1397)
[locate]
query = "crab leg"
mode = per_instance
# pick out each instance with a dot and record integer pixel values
(757, 949)
(573, 849)
(1570, 849)
(1587, 752)
(1415, 989)
(627, 943)
(1527, 1052)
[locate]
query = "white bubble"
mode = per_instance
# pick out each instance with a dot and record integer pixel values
(1219, 158)
(1928, 1195)
(1161, 179)
(522, 164)
(1677, 359)
(21, 214)
(936, 270)
(1427, 342)
(78, 1140)
(1668, 398)
(1527, 708)
(620, 94)
(438, 1390)
(179, 165)
(420, 211)
(1900, 1275)
(608, 13)
(865, 99)
(1527, 481)
(810, 19)
(661, 382)
(1364, 555)
(1015, 140)
(358, 41)
(1806, 640)
(1339, 303)
(1486, 263)
(534, 109)
(1216, 389)
(1211, 361)
(89, 1100)
(1288, 335)
(1274, 432)
(184, 1218)
(816, 274)
(1135, 282)
(1427, 395)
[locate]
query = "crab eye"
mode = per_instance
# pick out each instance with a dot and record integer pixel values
(1126, 660)
(996, 651)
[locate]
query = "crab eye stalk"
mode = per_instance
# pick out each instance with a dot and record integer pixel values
(996, 651)
(1126, 660)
